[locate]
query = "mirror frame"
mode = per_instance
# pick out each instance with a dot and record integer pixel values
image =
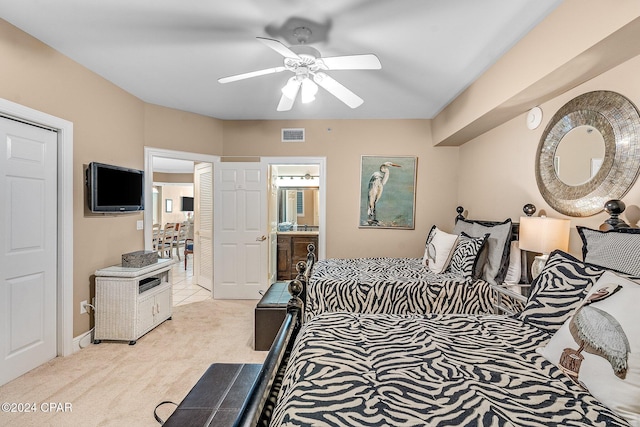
(618, 121)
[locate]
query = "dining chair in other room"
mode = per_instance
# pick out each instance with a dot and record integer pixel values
(182, 235)
(157, 238)
(188, 249)
(169, 239)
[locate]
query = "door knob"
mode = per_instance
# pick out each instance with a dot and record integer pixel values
(261, 238)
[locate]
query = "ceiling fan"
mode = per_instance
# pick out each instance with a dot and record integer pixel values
(309, 67)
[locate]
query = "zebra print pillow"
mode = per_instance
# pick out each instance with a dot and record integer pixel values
(465, 256)
(497, 247)
(558, 291)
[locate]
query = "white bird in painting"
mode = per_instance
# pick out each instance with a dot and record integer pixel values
(376, 185)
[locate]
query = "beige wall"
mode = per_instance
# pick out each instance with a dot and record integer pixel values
(110, 126)
(497, 169)
(178, 130)
(342, 142)
(174, 193)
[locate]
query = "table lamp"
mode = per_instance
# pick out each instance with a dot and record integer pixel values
(543, 235)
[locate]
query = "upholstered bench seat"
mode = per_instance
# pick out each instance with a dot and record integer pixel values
(217, 397)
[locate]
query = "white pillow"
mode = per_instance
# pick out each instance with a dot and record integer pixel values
(515, 264)
(596, 372)
(439, 249)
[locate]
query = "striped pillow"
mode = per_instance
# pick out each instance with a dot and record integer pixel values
(465, 256)
(558, 291)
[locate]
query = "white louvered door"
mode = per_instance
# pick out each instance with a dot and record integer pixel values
(203, 226)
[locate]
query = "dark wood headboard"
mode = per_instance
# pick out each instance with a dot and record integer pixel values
(515, 226)
(526, 256)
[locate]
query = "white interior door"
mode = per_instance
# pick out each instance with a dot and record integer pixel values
(240, 229)
(203, 225)
(28, 239)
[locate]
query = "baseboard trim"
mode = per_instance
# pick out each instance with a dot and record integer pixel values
(82, 341)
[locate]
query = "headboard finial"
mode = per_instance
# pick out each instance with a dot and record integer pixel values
(529, 209)
(614, 208)
(460, 210)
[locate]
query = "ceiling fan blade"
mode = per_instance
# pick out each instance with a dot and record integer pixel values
(338, 90)
(250, 74)
(289, 95)
(353, 62)
(279, 47)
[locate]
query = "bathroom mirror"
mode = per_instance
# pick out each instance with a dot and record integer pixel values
(599, 123)
(298, 206)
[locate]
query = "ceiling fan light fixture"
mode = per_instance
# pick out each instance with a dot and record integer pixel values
(309, 90)
(309, 69)
(290, 90)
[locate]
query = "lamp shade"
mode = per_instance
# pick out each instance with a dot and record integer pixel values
(543, 234)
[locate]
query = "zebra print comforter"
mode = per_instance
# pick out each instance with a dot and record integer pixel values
(392, 285)
(354, 369)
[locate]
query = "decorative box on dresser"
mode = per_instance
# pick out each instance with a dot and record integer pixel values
(292, 247)
(132, 301)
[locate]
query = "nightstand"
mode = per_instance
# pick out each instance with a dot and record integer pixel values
(510, 298)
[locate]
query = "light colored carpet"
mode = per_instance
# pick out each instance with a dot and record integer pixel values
(115, 384)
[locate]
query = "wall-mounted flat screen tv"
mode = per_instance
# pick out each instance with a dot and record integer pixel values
(187, 204)
(114, 189)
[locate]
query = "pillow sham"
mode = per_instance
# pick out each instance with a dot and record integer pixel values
(438, 249)
(558, 291)
(465, 256)
(514, 271)
(613, 377)
(616, 249)
(497, 247)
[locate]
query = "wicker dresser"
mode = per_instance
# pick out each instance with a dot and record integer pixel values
(132, 301)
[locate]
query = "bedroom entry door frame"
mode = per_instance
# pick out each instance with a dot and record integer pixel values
(64, 196)
(149, 154)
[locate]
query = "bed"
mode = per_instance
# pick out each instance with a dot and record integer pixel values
(454, 275)
(350, 368)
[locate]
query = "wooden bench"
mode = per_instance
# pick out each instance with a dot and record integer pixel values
(217, 397)
(269, 315)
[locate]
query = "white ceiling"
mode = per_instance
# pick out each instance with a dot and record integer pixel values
(171, 52)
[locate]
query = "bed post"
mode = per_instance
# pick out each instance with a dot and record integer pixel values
(258, 406)
(304, 273)
(460, 215)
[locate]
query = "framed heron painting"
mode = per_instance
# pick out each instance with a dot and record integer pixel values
(388, 192)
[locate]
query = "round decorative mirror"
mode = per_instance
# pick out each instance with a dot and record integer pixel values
(589, 153)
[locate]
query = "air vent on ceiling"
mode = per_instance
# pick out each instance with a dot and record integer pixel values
(293, 135)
